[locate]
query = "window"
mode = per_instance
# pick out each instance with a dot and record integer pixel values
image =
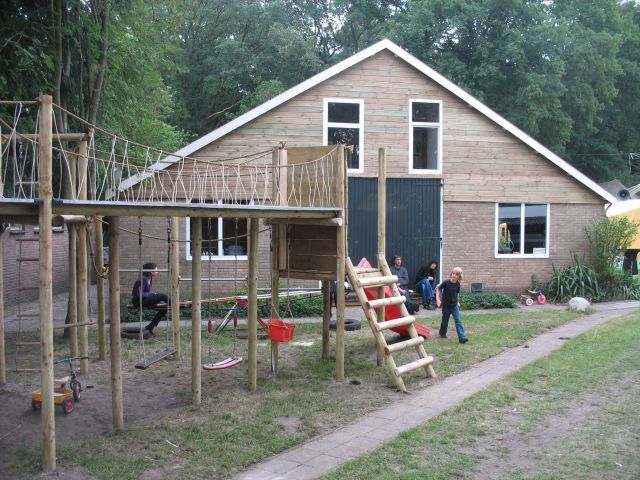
(344, 123)
(425, 136)
(16, 229)
(522, 229)
(222, 238)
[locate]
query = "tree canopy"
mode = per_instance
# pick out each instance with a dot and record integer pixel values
(161, 72)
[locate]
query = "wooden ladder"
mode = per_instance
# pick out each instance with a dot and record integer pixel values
(361, 278)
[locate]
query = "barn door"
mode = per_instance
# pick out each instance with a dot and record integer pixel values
(413, 220)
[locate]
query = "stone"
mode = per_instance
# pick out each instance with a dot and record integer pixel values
(579, 304)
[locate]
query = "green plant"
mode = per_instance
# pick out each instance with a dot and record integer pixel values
(610, 238)
(577, 280)
(619, 285)
(476, 301)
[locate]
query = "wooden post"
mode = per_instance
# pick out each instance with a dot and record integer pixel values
(174, 259)
(341, 254)
(382, 248)
(275, 294)
(72, 307)
(117, 410)
(326, 318)
(3, 365)
(253, 304)
(99, 262)
(196, 313)
(83, 284)
(45, 175)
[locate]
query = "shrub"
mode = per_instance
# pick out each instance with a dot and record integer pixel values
(475, 301)
(619, 285)
(610, 238)
(577, 280)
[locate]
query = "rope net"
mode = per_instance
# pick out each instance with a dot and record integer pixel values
(120, 170)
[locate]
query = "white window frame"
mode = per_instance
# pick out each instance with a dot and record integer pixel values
(222, 257)
(326, 125)
(438, 125)
(496, 228)
(17, 229)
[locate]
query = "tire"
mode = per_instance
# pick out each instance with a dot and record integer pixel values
(541, 299)
(67, 406)
(529, 302)
(134, 333)
(350, 325)
(35, 404)
(76, 388)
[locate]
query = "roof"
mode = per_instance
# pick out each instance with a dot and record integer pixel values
(353, 60)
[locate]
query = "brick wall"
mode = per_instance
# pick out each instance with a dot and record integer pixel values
(469, 242)
(28, 275)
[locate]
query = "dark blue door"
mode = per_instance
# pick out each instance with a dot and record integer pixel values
(412, 225)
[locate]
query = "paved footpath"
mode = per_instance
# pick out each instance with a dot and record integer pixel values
(323, 454)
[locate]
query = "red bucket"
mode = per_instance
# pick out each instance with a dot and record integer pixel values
(280, 331)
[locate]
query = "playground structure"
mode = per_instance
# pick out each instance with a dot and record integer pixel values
(300, 193)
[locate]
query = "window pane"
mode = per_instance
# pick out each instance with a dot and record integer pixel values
(508, 227)
(425, 112)
(344, 112)
(535, 228)
(425, 148)
(209, 237)
(235, 236)
(347, 136)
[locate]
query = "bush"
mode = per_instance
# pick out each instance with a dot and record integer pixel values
(617, 285)
(475, 301)
(577, 280)
(610, 238)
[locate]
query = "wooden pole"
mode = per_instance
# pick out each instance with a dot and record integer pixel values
(253, 304)
(382, 248)
(341, 254)
(99, 262)
(83, 281)
(326, 318)
(45, 175)
(117, 410)
(279, 198)
(174, 258)
(3, 365)
(196, 313)
(72, 307)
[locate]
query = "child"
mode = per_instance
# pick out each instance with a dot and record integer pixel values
(448, 291)
(149, 298)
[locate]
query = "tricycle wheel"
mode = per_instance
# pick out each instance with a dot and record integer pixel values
(529, 302)
(76, 388)
(35, 404)
(67, 405)
(541, 299)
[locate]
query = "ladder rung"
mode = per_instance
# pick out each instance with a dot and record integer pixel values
(398, 322)
(27, 239)
(20, 344)
(72, 325)
(421, 362)
(26, 289)
(385, 302)
(26, 370)
(28, 315)
(377, 281)
(395, 347)
(360, 271)
(27, 259)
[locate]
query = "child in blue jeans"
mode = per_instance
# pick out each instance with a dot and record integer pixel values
(447, 296)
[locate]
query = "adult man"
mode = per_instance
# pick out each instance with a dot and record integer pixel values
(403, 282)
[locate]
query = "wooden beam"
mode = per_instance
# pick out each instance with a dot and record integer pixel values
(117, 411)
(326, 318)
(45, 178)
(196, 313)
(59, 137)
(174, 260)
(83, 279)
(329, 222)
(3, 365)
(252, 311)
(341, 254)
(382, 246)
(99, 263)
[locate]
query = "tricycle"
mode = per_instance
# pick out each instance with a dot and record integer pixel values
(69, 389)
(537, 294)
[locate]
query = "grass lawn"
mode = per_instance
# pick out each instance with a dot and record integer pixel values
(233, 429)
(571, 415)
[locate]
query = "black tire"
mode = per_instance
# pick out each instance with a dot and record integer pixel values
(134, 333)
(350, 325)
(76, 388)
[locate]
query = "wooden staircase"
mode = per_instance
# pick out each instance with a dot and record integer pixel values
(361, 278)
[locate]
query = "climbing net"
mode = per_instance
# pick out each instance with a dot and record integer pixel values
(121, 170)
